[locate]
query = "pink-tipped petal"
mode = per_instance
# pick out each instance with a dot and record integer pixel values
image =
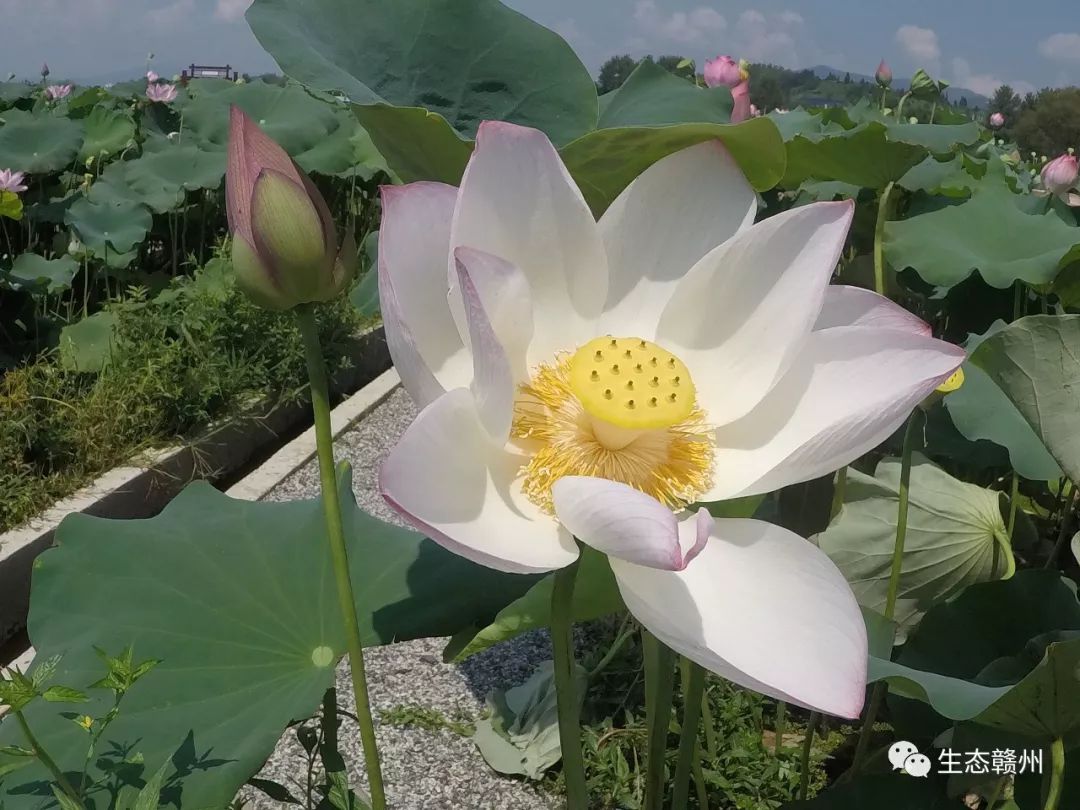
(723, 71)
(414, 246)
(662, 224)
(408, 362)
(504, 293)
(739, 318)
(763, 608)
(848, 390)
(854, 306)
(447, 478)
(626, 523)
(518, 202)
(493, 383)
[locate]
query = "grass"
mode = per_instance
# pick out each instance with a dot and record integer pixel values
(428, 719)
(197, 352)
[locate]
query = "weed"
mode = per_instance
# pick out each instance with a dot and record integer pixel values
(413, 716)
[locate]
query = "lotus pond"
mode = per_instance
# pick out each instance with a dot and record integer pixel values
(767, 424)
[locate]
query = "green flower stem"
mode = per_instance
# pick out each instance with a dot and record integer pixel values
(879, 235)
(693, 685)
(659, 691)
(1063, 531)
(1014, 492)
(1057, 774)
(900, 106)
(569, 707)
(778, 728)
(320, 405)
(881, 687)
(839, 488)
(712, 745)
(626, 630)
(807, 748)
(46, 760)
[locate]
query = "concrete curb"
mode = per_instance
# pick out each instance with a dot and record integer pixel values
(142, 488)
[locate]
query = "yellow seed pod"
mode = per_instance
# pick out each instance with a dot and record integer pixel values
(631, 383)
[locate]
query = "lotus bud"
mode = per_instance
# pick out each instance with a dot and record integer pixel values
(284, 248)
(1071, 151)
(723, 71)
(44, 70)
(997, 120)
(1061, 174)
(913, 120)
(883, 76)
(1043, 159)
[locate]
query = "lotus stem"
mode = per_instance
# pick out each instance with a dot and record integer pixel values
(778, 728)
(1057, 774)
(46, 760)
(659, 691)
(839, 488)
(807, 748)
(879, 235)
(569, 707)
(1063, 532)
(877, 697)
(693, 685)
(320, 405)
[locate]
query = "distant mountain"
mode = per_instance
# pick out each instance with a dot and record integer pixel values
(953, 94)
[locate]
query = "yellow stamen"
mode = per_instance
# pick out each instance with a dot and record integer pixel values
(579, 417)
(953, 383)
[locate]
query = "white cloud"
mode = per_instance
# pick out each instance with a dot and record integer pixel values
(921, 44)
(1061, 47)
(167, 17)
(984, 83)
(230, 10)
(791, 18)
(762, 39)
(695, 27)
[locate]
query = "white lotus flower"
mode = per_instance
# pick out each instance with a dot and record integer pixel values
(593, 379)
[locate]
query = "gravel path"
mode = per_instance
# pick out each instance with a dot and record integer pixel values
(423, 770)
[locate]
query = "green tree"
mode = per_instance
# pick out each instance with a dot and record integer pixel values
(671, 63)
(766, 92)
(614, 72)
(1006, 102)
(1052, 125)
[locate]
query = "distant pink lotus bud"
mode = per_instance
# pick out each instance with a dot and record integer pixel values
(151, 76)
(883, 76)
(997, 120)
(1060, 175)
(163, 93)
(12, 181)
(55, 92)
(723, 71)
(44, 69)
(754, 111)
(742, 108)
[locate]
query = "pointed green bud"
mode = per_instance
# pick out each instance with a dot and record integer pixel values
(289, 235)
(256, 279)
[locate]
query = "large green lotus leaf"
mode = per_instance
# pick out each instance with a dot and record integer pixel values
(417, 144)
(981, 410)
(604, 162)
(952, 530)
(937, 138)
(596, 594)
(32, 271)
(947, 177)
(863, 156)
(801, 122)
(107, 221)
(317, 134)
(895, 791)
(468, 60)
(38, 144)
(162, 179)
(962, 656)
(651, 96)
(108, 132)
(10, 92)
(87, 344)
(237, 600)
(11, 205)
(988, 233)
(1035, 361)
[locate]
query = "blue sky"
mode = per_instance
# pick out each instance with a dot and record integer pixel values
(976, 44)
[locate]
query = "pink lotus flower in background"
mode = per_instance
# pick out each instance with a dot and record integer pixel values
(754, 111)
(723, 71)
(997, 120)
(12, 181)
(1060, 177)
(55, 92)
(163, 93)
(883, 76)
(672, 352)
(151, 76)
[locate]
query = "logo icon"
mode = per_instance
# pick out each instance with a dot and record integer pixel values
(904, 756)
